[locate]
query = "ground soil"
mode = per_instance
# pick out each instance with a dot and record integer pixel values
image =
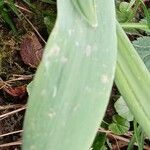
(20, 54)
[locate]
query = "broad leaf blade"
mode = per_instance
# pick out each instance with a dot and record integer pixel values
(122, 109)
(73, 83)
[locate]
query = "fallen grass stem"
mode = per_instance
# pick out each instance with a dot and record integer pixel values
(11, 144)
(12, 112)
(11, 133)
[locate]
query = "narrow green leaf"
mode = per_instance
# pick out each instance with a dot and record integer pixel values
(73, 82)
(11, 4)
(49, 22)
(49, 1)
(1, 3)
(133, 80)
(139, 135)
(7, 19)
(133, 139)
(99, 142)
(146, 12)
(139, 26)
(28, 2)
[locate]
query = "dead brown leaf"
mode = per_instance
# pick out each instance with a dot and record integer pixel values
(31, 50)
(15, 91)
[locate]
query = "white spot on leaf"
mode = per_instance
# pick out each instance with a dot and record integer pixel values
(70, 32)
(54, 92)
(43, 92)
(76, 108)
(77, 43)
(87, 89)
(88, 51)
(32, 147)
(64, 59)
(51, 114)
(54, 51)
(104, 79)
(104, 65)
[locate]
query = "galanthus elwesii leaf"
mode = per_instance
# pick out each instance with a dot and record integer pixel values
(87, 9)
(72, 85)
(133, 80)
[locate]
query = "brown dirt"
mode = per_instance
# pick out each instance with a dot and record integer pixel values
(20, 55)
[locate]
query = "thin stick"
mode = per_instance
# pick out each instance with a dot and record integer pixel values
(120, 137)
(12, 112)
(116, 143)
(22, 8)
(20, 78)
(33, 28)
(8, 82)
(10, 133)
(4, 107)
(11, 144)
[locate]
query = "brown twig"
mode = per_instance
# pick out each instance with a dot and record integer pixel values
(4, 107)
(110, 134)
(30, 23)
(10, 133)
(23, 77)
(13, 112)
(8, 83)
(22, 8)
(11, 144)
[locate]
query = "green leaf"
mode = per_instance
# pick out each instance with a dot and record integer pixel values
(49, 1)
(139, 26)
(146, 12)
(29, 88)
(124, 7)
(119, 125)
(49, 22)
(99, 142)
(123, 110)
(11, 4)
(73, 82)
(139, 135)
(7, 19)
(132, 2)
(142, 45)
(87, 9)
(133, 80)
(28, 2)
(1, 3)
(125, 13)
